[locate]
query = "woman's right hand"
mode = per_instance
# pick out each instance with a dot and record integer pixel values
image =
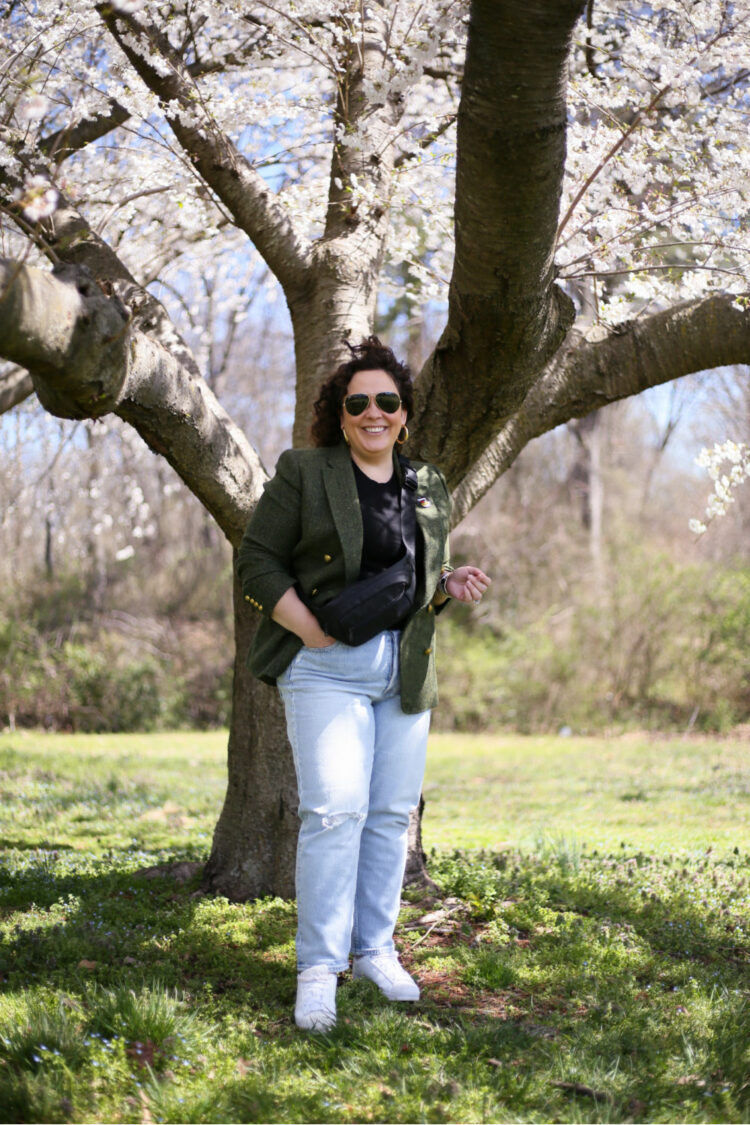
(291, 612)
(317, 639)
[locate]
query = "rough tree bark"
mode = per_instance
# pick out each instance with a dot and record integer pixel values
(503, 372)
(255, 839)
(506, 316)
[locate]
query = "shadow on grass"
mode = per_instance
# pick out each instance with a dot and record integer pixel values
(556, 995)
(117, 927)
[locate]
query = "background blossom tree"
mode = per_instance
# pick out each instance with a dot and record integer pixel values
(513, 164)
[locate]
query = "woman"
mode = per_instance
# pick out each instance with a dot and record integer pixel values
(334, 522)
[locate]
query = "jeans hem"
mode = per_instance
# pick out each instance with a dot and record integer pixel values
(375, 951)
(339, 967)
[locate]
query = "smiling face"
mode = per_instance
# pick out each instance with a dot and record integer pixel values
(373, 433)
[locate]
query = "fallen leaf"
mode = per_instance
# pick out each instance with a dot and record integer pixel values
(87, 964)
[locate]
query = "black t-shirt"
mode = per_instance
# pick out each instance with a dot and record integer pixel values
(382, 544)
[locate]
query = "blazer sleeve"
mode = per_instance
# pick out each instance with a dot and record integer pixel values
(264, 561)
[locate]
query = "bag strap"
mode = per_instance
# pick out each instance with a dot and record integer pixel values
(409, 508)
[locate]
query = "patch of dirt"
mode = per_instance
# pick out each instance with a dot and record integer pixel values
(181, 872)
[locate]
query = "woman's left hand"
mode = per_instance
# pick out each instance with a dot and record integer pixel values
(467, 584)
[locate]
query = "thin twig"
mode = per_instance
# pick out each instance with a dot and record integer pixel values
(606, 159)
(647, 269)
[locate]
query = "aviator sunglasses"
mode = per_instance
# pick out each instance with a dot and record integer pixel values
(387, 401)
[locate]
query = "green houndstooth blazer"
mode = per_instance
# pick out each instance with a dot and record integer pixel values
(307, 529)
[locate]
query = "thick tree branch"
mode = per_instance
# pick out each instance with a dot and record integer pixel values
(86, 360)
(371, 159)
(66, 238)
(347, 261)
(60, 145)
(588, 374)
(241, 189)
(506, 315)
(14, 388)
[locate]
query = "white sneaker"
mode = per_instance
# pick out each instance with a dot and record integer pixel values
(389, 975)
(315, 1009)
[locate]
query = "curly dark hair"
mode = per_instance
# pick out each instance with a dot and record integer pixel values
(370, 355)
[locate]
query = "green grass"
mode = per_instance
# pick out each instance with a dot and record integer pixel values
(590, 964)
(486, 791)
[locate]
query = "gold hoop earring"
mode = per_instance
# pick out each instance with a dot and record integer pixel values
(346, 439)
(402, 440)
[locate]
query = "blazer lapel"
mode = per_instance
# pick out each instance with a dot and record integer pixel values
(433, 535)
(341, 489)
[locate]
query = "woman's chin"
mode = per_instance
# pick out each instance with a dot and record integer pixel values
(375, 443)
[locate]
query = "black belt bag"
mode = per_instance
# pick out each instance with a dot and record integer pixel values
(368, 606)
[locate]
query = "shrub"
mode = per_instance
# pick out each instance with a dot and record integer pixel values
(667, 646)
(110, 694)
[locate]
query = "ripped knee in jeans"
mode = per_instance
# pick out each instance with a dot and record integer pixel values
(334, 819)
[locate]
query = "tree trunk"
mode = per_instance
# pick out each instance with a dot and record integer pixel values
(415, 874)
(587, 480)
(255, 839)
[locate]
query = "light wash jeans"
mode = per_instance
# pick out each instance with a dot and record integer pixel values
(360, 763)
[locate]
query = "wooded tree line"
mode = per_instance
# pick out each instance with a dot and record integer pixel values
(569, 178)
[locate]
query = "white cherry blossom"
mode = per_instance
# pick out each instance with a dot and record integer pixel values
(713, 460)
(38, 199)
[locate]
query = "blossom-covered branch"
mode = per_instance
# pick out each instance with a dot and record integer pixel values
(223, 167)
(736, 456)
